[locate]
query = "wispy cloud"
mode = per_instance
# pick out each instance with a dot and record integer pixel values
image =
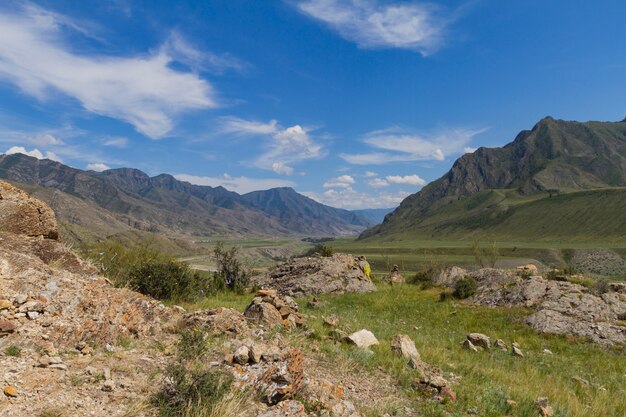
(238, 184)
(378, 183)
(144, 91)
(397, 145)
(416, 26)
(116, 142)
(283, 146)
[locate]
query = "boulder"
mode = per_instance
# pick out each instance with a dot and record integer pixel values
(336, 274)
(468, 345)
(263, 313)
(395, 278)
(479, 339)
(544, 409)
(403, 345)
(25, 215)
(363, 338)
(241, 355)
(516, 351)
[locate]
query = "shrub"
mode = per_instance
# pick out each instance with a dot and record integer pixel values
(465, 288)
(424, 278)
(230, 270)
(169, 280)
(325, 251)
(13, 350)
(188, 391)
(445, 296)
(192, 344)
(600, 287)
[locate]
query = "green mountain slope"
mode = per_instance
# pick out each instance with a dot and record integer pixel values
(561, 180)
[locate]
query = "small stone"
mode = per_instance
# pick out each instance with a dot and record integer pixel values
(511, 403)
(20, 299)
(5, 304)
(363, 338)
(59, 366)
(109, 348)
(448, 393)
(479, 339)
(469, 346)
(55, 359)
(6, 327)
(108, 386)
(331, 321)
(107, 374)
(90, 370)
(547, 352)
(32, 315)
(10, 391)
(242, 355)
(501, 344)
(544, 409)
(255, 353)
(515, 351)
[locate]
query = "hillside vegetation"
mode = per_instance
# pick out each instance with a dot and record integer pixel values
(559, 181)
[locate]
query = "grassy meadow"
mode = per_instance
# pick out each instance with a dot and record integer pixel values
(486, 379)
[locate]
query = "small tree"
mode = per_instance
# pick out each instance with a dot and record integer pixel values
(229, 267)
(478, 253)
(493, 254)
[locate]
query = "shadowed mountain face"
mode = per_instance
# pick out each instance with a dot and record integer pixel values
(112, 201)
(554, 157)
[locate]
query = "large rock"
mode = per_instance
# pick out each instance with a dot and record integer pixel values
(336, 274)
(271, 309)
(403, 345)
(220, 321)
(25, 215)
(363, 338)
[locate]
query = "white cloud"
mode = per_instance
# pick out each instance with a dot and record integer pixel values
(284, 146)
(36, 153)
(378, 183)
(407, 179)
(240, 185)
(377, 24)
(180, 50)
(397, 145)
(98, 167)
(280, 168)
(469, 149)
(116, 142)
(369, 174)
(343, 181)
(141, 90)
(351, 199)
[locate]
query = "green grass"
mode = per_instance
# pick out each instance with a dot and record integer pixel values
(590, 216)
(487, 378)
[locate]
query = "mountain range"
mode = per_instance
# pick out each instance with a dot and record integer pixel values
(118, 200)
(560, 180)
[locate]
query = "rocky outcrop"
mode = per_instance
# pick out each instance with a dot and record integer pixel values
(25, 215)
(560, 307)
(336, 274)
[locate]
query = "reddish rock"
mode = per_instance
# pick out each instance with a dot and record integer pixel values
(25, 215)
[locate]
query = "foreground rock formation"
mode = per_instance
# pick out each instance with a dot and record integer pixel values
(25, 215)
(335, 274)
(560, 307)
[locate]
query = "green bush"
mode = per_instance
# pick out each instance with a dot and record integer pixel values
(170, 280)
(445, 296)
(230, 270)
(325, 251)
(601, 286)
(185, 390)
(192, 344)
(465, 288)
(424, 278)
(13, 350)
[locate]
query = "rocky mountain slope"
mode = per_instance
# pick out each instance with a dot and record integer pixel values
(554, 158)
(122, 199)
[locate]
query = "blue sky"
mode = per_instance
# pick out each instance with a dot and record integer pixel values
(356, 103)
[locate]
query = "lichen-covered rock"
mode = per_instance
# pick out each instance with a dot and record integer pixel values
(25, 215)
(336, 274)
(221, 321)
